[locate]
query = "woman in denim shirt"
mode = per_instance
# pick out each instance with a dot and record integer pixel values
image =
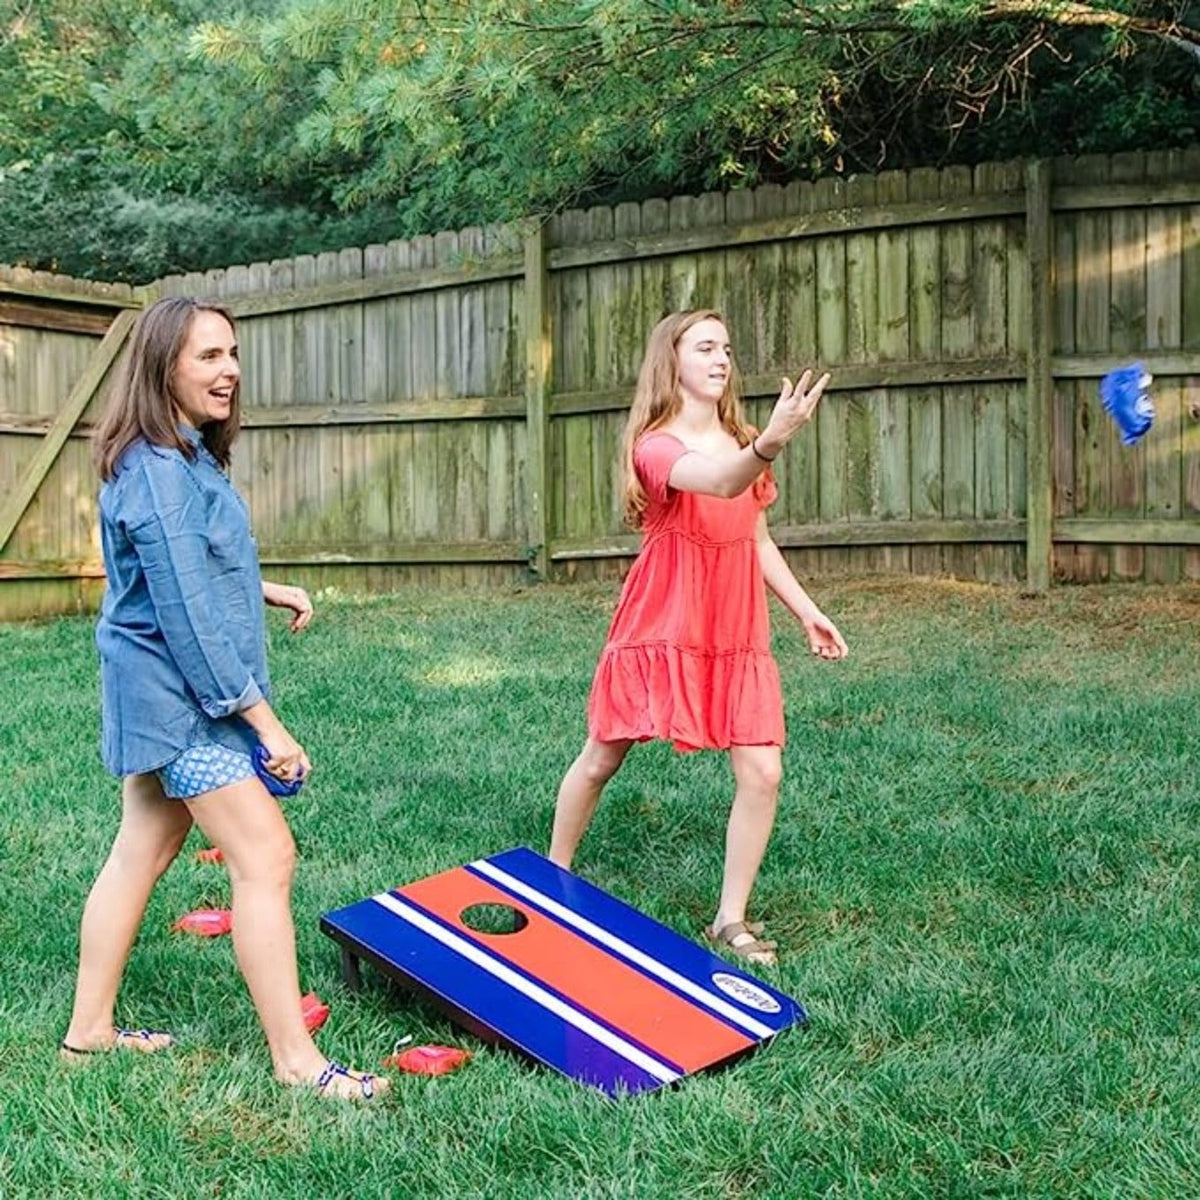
(184, 686)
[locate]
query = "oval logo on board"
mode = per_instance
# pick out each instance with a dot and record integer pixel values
(744, 992)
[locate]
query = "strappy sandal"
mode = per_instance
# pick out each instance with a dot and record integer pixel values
(335, 1070)
(138, 1040)
(723, 939)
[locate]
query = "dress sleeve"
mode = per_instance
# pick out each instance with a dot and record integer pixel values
(764, 489)
(653, 457)
(172, 547)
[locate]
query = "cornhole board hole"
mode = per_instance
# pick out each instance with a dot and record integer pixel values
(525, 954)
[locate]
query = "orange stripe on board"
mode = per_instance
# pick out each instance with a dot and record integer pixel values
(587, 975)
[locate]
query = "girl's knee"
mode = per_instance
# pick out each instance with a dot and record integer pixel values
(600, 761)
(761, 773)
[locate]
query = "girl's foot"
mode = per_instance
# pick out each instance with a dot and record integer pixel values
(141, 1041)
(740, 939)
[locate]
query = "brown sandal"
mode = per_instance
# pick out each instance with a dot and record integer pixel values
(724, 937)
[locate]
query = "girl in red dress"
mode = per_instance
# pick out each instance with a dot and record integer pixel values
(688, 656)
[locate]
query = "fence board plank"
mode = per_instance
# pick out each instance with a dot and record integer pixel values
(499, 513)
(377, 462)
(243, 468)
(832, 344)
(575, 359)
(351, 379)
(632, 321)
(1041, 402)
(1017, 319)
(449, 382)
(1093, 432)
(680, 279)
(473, 379)
(257, 388)
(861, 465)
(401, 349)
(801, 480)
(739, 285)
(958, 403)
(891, 404)
(539, 348)
(990, 313)
(1063, 416)
(1127, 317)
(1164, 330)
(1189, 167)
(925, 343)
(604, 301)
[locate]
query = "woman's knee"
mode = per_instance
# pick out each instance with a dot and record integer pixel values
(270, 861)
(148, 849)
(136, 854)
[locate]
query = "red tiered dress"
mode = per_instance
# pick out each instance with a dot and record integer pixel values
(688, 656)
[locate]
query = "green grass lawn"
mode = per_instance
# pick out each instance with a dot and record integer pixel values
(984, 877)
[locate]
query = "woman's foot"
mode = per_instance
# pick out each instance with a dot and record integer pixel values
(141, 1041)
(342, 1083)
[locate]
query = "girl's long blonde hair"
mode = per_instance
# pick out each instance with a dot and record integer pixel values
(657, 399)
(141, 402)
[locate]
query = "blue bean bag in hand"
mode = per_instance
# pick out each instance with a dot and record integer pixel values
(275, 785)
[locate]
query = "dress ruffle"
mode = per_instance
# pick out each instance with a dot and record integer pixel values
(693, 699)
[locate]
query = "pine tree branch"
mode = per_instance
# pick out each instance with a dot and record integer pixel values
(849, 20)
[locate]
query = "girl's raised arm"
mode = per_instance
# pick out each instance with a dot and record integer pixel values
(731, 474)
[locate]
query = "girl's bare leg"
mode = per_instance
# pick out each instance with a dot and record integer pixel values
(579, 793)
(757, 771)
(245, 821)
(152, 830)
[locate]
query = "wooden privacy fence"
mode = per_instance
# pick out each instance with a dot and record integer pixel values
(449, 408)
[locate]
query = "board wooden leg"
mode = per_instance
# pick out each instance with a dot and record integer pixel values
(351, 975)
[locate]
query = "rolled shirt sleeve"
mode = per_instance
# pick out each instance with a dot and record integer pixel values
(172, 544)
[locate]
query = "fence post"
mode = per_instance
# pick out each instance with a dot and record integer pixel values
(1039, 423)
(538, 349)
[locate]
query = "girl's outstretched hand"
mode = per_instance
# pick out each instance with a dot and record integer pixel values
(793, 410)
(823, 637)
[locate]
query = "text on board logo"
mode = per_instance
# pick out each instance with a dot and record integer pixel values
(744, 992)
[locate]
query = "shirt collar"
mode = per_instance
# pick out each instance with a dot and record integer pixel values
(189, 433)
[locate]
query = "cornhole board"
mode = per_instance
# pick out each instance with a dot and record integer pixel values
(583, 983)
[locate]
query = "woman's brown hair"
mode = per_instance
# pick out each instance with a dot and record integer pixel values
(657, 399)
(141, 401)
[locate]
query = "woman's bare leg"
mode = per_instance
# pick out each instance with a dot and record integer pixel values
(245, 821)
(152, 830)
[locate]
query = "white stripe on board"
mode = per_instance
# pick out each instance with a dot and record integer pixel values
(526, 987)
(651, 965)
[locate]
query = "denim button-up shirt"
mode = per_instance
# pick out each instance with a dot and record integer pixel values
(181, 633)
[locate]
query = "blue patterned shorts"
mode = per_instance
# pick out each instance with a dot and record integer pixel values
(203, 768)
